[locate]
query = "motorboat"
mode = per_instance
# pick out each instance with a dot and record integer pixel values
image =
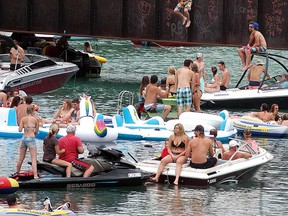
(130, 126)
(110, 169)
(224, 171)
(270, 91)
(260, 128)
(39, 74)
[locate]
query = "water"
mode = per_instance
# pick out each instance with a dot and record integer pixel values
(265, 194)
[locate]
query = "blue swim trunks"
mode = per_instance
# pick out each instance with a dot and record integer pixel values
(259, 49)
(184, 4)
(28, 142)
(184, 96)
(155, 107)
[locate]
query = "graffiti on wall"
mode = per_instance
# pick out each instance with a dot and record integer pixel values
(144, 10)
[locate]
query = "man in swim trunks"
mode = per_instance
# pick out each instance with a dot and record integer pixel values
(224, 84)
(259, 46)
(198, 149)
(73, 146)
(183, 83)
(255, 74)
(152, 93)
(75, 115)
(184, 5)
(17, 54)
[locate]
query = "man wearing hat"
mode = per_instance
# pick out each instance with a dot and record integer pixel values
(233, 146)
(283, 79)
(254, 74)
(198, 148)
(258, 45)
(73, 146)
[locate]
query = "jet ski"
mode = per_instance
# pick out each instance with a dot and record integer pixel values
(110, 169)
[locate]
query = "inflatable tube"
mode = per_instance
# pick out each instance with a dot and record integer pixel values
(16, 211)
(188, 125)
(8, 185)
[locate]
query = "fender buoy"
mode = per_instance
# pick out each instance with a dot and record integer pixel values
(100, 128)
(8, 185)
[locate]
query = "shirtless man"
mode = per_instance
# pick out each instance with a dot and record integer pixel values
(17, 54)
(255, 74)
(201, 68)
(198, 149)
(197, 93)
(233, 146)
(258, 46)
(75, 114)
(183, 83)
(225, 76)
(12, 202)
(264, 114)
(22, 108)
(152, 92)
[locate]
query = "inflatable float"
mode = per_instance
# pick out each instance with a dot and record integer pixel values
(130, 127)
(17, 211)
(92, 130)
(260, 128)
(8, 185)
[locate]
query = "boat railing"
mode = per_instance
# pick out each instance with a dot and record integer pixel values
(122, 97)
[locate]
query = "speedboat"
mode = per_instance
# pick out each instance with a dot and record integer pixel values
(38, 75)
(130, 126)
(224, 171)
(270, 91)
(260, 128)
(110, 169)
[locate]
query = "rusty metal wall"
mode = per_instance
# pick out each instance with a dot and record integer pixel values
(213, 21)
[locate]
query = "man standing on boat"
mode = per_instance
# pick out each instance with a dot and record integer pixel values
(255, 74)
(224, 84)
(259, 46)
(152, 93)
(17, 54)
(198, 149)
(183, 83)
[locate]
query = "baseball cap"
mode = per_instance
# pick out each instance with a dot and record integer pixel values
(70, 128)
(199, 128)
(254, 25)
(198, 55)
(233, 143)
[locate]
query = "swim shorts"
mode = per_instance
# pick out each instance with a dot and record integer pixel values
(80, 165)
(209, 163)
(184, 4)
(223, 88)
(28, 142)
(155, 107)
(254, 83)
(184, 96)
(259, 49)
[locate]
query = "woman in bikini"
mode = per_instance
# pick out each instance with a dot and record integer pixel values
(177, 144)
(30, 125)
(215, 83)
(170, 81)
(197, 93)
(51, 147)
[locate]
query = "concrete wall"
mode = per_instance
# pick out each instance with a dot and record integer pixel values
(214, 21)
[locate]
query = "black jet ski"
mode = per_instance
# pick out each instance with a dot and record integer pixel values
(110, 169)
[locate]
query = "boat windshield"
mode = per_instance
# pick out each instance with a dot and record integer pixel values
(243, 148)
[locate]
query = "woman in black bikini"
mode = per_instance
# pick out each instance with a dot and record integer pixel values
(177, 144)
(170, 81)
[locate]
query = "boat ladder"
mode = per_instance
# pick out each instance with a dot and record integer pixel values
(124, 96)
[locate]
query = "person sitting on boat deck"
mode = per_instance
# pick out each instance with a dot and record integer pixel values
(254, 74)
(87, 47)
(12, 202)
(224, 84)
(201, 68)
(152, 92)
(185, 6)
(30, 125)
(258, 46)
(215, 82)
(284, 82)
(73, 146)
(247, 135)
(51, 147)
(233, 146)
(75, 114)
(142, 94)
(170, 81)
(22, 108)
(17, 54)
(177, 144)
(264, 114)
(198, 148)
(216, 143)
(197, 92)
(183, 83)
(275, 111)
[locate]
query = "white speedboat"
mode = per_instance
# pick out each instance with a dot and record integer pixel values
(224, 171)
(270, 91)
